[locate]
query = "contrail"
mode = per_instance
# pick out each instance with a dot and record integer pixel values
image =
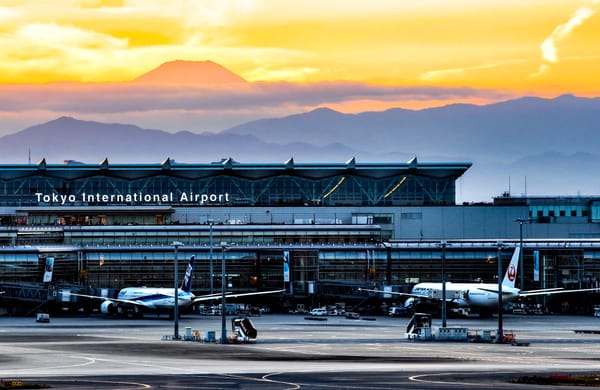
(549, 50)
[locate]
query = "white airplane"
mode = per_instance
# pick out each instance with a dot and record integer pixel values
(481, 295)
(160, 299)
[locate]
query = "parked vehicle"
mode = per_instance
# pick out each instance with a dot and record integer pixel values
(319, 311)
(398, 311)
(352, 315)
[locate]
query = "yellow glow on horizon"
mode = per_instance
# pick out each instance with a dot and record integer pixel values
(492, 44)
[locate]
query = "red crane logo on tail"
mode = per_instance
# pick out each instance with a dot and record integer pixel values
(512, 272)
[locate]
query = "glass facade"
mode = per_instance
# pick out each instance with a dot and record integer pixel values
(112, 226)
(254, 268)
(277, 191)
(232, 184)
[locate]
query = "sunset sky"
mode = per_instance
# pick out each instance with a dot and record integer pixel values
(410, 54)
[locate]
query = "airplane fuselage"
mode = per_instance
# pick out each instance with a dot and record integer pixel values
(159, 298)
(467, 294)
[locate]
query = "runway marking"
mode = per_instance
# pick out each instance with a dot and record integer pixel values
(294, 385)
(264, 378)
(90, 361)
(142, 385)
(320, 385)
(134, 363)
(418, 378)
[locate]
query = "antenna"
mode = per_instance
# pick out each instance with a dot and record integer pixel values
(29, 155)
(509, 185)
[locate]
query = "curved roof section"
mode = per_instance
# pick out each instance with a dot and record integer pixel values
(230, 167)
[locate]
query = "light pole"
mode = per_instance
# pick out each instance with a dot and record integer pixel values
(176, 244)
(500, 334)
(210, 254)
(224, 247)
(443, 244)
(388, 265)
(521, 221)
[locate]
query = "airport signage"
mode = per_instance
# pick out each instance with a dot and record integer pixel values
(286, 266)
(48, 269)
(137, 197)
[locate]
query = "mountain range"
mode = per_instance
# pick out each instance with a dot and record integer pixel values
(528, 145)
(498, 131)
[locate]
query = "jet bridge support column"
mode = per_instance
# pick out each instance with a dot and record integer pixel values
(388, 264)
(500, 335)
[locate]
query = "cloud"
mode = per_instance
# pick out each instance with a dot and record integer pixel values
(102, 40)
(125, 97)
(560, 32)
(50, 50)
(549, 51)
(7, 14)
(453, 72)
(204, 108)
(102, 3)
(58, 36)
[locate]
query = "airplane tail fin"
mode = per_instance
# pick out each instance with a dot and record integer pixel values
(511, 272)
(186, 285)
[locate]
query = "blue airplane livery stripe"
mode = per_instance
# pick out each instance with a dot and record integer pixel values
(147, 298)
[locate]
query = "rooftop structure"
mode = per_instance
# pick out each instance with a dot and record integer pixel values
(230, 183)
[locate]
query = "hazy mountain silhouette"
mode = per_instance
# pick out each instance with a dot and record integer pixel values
(70, 139)
(550, 144)
(507, 130)
(191, 73)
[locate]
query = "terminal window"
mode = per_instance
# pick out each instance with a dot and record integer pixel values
(411, 215)
(383, 219)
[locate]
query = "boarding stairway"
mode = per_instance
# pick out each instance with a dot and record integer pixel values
(243, 329)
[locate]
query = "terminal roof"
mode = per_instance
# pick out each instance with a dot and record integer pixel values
(230, 167)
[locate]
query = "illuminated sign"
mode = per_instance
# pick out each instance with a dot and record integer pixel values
(137, 197)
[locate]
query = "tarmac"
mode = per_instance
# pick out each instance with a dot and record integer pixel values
(291, 352)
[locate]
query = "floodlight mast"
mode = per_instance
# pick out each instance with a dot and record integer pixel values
(224, 247)
(176, 245)
(500, 333)
(443, 244)
(211, 222)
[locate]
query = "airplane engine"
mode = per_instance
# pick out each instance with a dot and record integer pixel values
(108, 307)
(479, 299)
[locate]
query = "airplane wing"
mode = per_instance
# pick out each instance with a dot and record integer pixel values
(230, 295)
(530, 293)
(495, 291)
(117, 300)
(550, 291)
(396, 293)
(208, 296)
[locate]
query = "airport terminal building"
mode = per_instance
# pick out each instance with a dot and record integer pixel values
(336, 226)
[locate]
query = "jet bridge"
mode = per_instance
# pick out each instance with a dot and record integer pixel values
(26, 298)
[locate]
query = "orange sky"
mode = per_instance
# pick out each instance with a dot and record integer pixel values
(493, 44)
(510, 47)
